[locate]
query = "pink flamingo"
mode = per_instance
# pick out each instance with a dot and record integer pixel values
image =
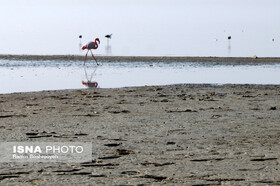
(91, 45)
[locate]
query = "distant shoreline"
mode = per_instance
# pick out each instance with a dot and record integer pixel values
(146, 58)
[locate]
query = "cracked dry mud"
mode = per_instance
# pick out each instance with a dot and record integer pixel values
(181, 134)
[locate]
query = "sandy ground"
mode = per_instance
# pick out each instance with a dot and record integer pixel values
(181, 134)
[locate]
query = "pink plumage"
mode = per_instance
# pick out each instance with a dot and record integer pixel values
(89, 46)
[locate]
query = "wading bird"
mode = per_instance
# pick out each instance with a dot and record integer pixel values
(89, 46)
(109, 36)
(80, 44)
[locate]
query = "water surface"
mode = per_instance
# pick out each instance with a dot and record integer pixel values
(27, 75)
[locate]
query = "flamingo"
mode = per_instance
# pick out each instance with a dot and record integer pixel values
(89, 46)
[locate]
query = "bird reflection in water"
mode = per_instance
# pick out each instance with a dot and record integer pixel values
(89, 83)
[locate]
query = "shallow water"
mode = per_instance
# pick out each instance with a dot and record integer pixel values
(142, 28)
(26, 76)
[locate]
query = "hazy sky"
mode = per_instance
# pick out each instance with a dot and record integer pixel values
(146, 27)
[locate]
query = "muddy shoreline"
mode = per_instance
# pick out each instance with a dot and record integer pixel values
(145, 58)
(178, 135)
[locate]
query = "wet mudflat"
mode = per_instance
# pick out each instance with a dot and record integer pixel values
(180, 134)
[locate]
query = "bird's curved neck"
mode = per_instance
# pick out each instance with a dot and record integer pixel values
(95, 41)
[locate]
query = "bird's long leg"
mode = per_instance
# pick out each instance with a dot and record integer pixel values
(94, 58)
(85, 58)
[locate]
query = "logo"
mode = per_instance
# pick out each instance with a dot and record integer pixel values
(45, 151)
